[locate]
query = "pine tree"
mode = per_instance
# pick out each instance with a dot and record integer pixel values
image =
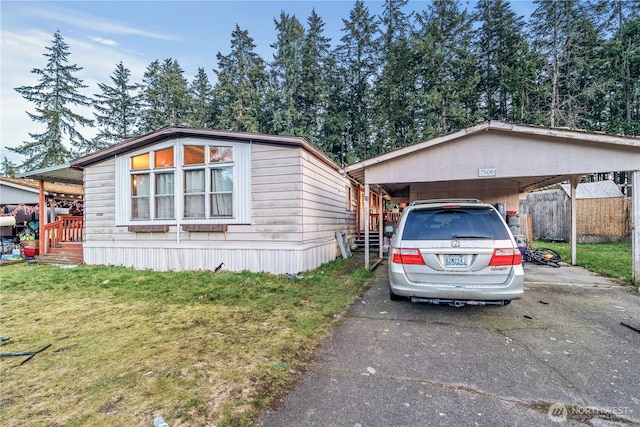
(201, 92)
(240, 88)
(286, 77)
(165, 96)
(57, 90)
(567, 37)
(498, 44)
(620, 106)
(448, 76)
(117, 108)
(9, 169)
(358, 60)
(395, 87)
(313, 85)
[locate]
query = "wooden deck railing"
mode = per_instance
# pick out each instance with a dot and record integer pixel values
(66, 229)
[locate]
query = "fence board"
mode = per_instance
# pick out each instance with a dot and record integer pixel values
(599, 220)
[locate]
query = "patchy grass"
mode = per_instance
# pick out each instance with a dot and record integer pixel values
(608, 259)
(198, 348)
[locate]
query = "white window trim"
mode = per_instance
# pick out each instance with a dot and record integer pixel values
(241, 184)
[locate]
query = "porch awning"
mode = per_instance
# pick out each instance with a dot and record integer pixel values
(61, 173)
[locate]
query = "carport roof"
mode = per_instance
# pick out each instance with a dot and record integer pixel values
(524, 133)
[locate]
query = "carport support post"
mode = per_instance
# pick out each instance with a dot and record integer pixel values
(366, 226)
(635, 225)
(380, 223)
(575, 180)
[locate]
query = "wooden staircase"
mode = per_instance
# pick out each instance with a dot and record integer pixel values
(63, 241)
(63, 253)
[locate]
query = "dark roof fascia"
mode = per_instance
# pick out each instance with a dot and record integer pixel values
(179, 132)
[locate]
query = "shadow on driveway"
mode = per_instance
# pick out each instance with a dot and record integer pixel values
(559, 356)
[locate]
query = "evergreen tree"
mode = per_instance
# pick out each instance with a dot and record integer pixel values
(448, 76)
(333, 131)
(358, 60)
(286, 77)
(313, 84)
(395, 87)
(498, 44)
(566, 36)
(240, 89)
(201, 92)
(117, 108)
(57, 90)
(9, 169)
(165, 96)
(619, 109)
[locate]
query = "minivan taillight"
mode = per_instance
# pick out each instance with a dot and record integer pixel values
(407, 256)
(506, 256)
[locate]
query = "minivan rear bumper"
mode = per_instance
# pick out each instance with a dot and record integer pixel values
(512, 289)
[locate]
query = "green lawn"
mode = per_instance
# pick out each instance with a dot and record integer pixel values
(198, 348)
(609, 259)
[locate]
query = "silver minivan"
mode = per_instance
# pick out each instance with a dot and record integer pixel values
(456, 252)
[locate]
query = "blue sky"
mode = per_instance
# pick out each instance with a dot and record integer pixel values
(100, 34)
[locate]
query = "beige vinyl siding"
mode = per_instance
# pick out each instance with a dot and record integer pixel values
(324, 197)
(276, 184)
(297, 204)
(99, 206)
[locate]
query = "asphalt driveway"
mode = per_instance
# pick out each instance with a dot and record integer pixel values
(559, 356)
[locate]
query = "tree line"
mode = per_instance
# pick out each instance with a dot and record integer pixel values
(390, 81)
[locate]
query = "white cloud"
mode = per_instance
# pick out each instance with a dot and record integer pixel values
(106, 42)
(83, 20)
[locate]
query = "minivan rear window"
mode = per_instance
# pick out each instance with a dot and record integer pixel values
(454, 223)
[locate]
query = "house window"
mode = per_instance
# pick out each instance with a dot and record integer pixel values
(152, 185)
(140, 192)
(208, 175)
(185, 181)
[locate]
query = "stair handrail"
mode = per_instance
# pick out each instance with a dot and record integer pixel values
(51, 233)
(67, 228)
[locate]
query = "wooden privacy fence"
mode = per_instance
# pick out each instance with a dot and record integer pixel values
(599, 220)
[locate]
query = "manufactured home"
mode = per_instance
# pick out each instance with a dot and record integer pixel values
(200, 199)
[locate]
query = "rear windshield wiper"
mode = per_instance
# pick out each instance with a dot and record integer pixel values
(465, 236)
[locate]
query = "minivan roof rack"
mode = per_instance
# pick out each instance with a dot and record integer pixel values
(423, 202)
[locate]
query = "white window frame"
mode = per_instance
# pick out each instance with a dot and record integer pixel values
(241, 183)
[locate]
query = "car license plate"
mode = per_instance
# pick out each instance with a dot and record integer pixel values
(455, 260)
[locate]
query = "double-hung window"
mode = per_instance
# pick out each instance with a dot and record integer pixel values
(152, 185)
(208, 181)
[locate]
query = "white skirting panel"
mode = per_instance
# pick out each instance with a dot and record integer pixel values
(269, 260)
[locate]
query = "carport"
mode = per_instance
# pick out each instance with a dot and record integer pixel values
(497, 162)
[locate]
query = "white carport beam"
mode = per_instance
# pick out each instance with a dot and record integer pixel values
(575, 180)
(635, 225)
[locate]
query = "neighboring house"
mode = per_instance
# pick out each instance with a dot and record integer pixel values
(594, 190)
(20, 197)
(197, 199)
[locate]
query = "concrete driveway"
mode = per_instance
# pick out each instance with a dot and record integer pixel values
(559, 356)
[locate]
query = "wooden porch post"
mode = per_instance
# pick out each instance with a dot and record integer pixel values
(366, 226)
(635, 226)
(42, 216)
